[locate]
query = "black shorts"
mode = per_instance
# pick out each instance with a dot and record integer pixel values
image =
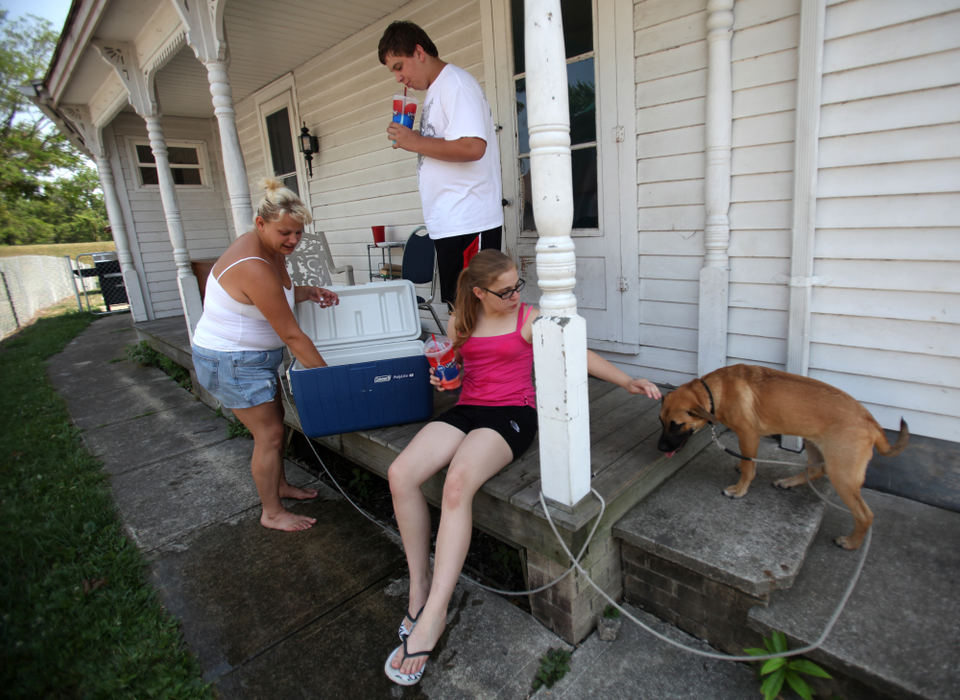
(516, 424)
(454, 254)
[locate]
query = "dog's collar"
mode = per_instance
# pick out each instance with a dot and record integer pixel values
(710, 394)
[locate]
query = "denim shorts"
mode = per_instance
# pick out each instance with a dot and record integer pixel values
(240, 379)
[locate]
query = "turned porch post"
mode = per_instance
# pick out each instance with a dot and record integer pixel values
(715, 274)
(203, 21)
(139, 85)
(559, 335)
(92, 135)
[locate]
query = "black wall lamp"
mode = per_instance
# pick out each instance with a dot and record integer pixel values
(309, 145)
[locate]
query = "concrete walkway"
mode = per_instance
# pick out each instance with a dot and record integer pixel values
(313, 614)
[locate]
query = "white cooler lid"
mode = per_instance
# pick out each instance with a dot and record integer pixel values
(378, 312)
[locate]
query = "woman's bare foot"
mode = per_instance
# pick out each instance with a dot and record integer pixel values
(287, 521)
(423, 638)
(288, 491)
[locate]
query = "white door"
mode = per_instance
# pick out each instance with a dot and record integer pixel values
(599, 47)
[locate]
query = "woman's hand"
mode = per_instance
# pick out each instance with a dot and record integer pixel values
(643, 386)
(321, 296)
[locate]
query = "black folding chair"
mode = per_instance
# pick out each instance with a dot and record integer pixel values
(419, 265)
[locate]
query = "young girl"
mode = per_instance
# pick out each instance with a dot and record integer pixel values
(493, 423)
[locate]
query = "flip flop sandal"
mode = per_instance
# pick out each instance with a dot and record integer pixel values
(395, 675)
(403, 632)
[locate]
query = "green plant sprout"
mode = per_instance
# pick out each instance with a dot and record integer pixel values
(553, 666)
(775, 672)
(610, 612)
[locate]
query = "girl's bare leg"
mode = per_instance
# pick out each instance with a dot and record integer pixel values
(481, 455)
(430, 451)
(265, 423)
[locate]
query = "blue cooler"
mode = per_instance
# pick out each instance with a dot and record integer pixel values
(377, 373)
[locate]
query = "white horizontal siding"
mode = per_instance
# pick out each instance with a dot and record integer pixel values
(886, 300)
(764, 95)
(203, 215)
(359, 180)
(670, 71)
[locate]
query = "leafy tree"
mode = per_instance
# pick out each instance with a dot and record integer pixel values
(49, 192)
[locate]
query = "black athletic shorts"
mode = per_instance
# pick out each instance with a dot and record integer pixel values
(456, 252)
(516, 424)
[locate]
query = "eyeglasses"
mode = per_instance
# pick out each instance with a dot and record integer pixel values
(507, 293)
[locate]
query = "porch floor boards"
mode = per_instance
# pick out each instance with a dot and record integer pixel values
(625, 464)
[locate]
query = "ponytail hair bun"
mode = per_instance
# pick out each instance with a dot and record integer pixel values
(279, 201)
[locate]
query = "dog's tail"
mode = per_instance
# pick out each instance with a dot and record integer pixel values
(883, 445)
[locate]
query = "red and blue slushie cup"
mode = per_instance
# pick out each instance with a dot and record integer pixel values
(404, 110)
(443, 359)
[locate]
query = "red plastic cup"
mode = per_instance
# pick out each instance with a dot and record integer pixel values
(439, 352)
(378, 234)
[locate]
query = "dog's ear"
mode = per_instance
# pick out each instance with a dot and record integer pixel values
(703, 414)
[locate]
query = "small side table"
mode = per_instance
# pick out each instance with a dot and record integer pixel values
(386, 259)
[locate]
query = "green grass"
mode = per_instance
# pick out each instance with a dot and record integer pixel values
(57, 249)
(79, 619)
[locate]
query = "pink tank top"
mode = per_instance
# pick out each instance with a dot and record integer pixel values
(498, 370)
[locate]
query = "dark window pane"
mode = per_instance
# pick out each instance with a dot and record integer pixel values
(577, 29)
(526, 206)
(281, 142)
(583, 107)
(523, 137)
(148, 176)
(583, 163)
(577, 26)
(290, 182)
(186, 176)
(516, 19)
(145, 154)
(180, 155)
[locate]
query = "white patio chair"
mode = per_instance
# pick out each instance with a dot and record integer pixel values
(312, 262)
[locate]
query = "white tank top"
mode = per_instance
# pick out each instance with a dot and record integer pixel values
(228, 325)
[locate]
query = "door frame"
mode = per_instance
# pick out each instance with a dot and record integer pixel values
(616, 145)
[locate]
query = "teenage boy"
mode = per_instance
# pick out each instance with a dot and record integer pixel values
(458, 164)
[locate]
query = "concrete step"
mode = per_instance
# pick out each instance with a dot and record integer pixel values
(900, 631)
(731, 571)
(755, 544)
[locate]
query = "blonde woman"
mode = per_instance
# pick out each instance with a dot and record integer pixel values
(493, 423)
(238, 343)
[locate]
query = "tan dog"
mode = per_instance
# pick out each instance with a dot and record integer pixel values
(754, 401)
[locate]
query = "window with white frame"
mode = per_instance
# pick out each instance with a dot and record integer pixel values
(187, 164)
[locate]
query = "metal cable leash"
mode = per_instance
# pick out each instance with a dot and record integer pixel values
(716, 655)
(576, 565)
(389, 529)
(716, 440)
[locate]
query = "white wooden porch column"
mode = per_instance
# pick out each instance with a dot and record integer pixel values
(92, 135)
(204, 24)
(122, 57)
(715, 274)
(559, 335)
(806, 149)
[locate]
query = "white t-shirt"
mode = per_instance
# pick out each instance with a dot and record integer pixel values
(459, 198)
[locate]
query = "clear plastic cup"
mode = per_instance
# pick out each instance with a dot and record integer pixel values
(439, 352)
